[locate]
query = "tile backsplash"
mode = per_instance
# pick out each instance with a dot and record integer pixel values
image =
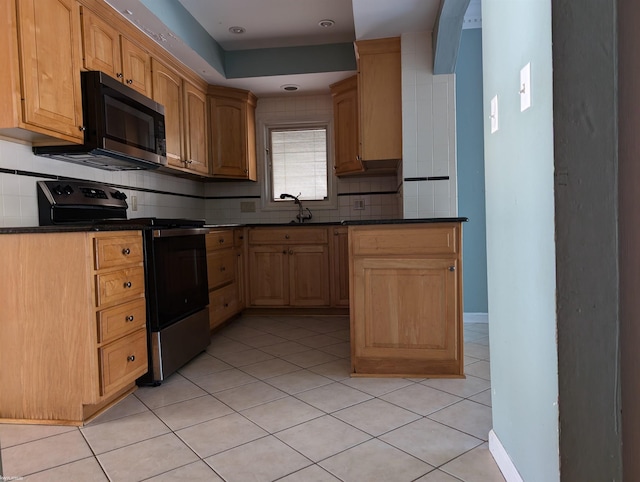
(428, 133)
(157, 194)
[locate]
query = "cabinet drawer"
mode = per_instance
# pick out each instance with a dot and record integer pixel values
(219, 239)
(121, 320)
(122, 361)
(114, 251)
(221, 267)
(294, 235)
(119, 286)
(401, 240)
(223, 304)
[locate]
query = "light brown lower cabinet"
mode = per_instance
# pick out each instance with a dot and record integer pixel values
(406, 300)
(289, 267)
(224, 272)
(73, 324)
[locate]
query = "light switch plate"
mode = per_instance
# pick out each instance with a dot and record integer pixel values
(525, 87)
(494, 114)
(134, 203)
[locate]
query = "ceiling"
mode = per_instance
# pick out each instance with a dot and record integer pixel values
(275, 24)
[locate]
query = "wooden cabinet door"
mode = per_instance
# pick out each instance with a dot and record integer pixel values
(404, 315)
(195, 137)
(167, 90)
(228, 137)
(309, 276)
(380, 98)
(100, 45)
(49, 38)
(346, 127)
(136, 67)
(268, 276)
(340, 267)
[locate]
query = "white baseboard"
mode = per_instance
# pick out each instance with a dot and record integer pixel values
(475, 317)
(509, 471)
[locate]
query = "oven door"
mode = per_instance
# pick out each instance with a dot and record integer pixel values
(177, 283)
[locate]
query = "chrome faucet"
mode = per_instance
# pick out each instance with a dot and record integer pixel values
(301, 217)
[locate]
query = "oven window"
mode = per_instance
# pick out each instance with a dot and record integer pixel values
(180, 277)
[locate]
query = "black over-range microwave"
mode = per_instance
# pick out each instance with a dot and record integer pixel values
(123, 129)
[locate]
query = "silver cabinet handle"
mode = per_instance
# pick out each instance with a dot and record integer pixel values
(127, 284)
(131, 358)
(129, 318)
(129, 81)
(452, 268)
(126, 251)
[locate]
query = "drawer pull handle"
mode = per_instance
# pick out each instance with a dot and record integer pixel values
(131, 358)
(452, 268)
(221, 240)
(129, 318)
(126, 251)
(290, 252)
(222, 268)
(284, 251)
(129, 81)
(119, 75)
(226, 305)
(286, 236)
(127, 284)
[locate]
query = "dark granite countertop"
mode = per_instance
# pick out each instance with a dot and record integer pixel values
(132, 227)
(68, 229)
(354, 222)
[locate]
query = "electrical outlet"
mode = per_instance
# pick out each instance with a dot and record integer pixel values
(247, 207)
(358, 204)
(134, 203)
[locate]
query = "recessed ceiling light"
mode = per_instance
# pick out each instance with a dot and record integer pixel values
(290, 87)
(326, 23)
(237, 30)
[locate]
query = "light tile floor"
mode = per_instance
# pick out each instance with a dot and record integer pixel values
(271, 399)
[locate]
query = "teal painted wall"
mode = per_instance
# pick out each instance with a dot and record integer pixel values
(180, 21)
(470, 159)
(521, 269)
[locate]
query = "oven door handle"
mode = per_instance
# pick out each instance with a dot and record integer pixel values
(168, 233)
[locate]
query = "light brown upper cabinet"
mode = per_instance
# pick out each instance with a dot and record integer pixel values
(380, 98)
(40, 85)
(167, 90)
(346, 127)
(233, 133)
(105, 49)
(196, 128)
(185, 115)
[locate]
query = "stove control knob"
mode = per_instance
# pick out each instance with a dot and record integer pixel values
(57, 190)
(67, 190)
(119, 195)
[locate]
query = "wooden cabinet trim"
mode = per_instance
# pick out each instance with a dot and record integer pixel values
(294, 235)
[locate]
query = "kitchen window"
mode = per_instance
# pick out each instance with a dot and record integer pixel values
(298, 162)
(297, 159)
